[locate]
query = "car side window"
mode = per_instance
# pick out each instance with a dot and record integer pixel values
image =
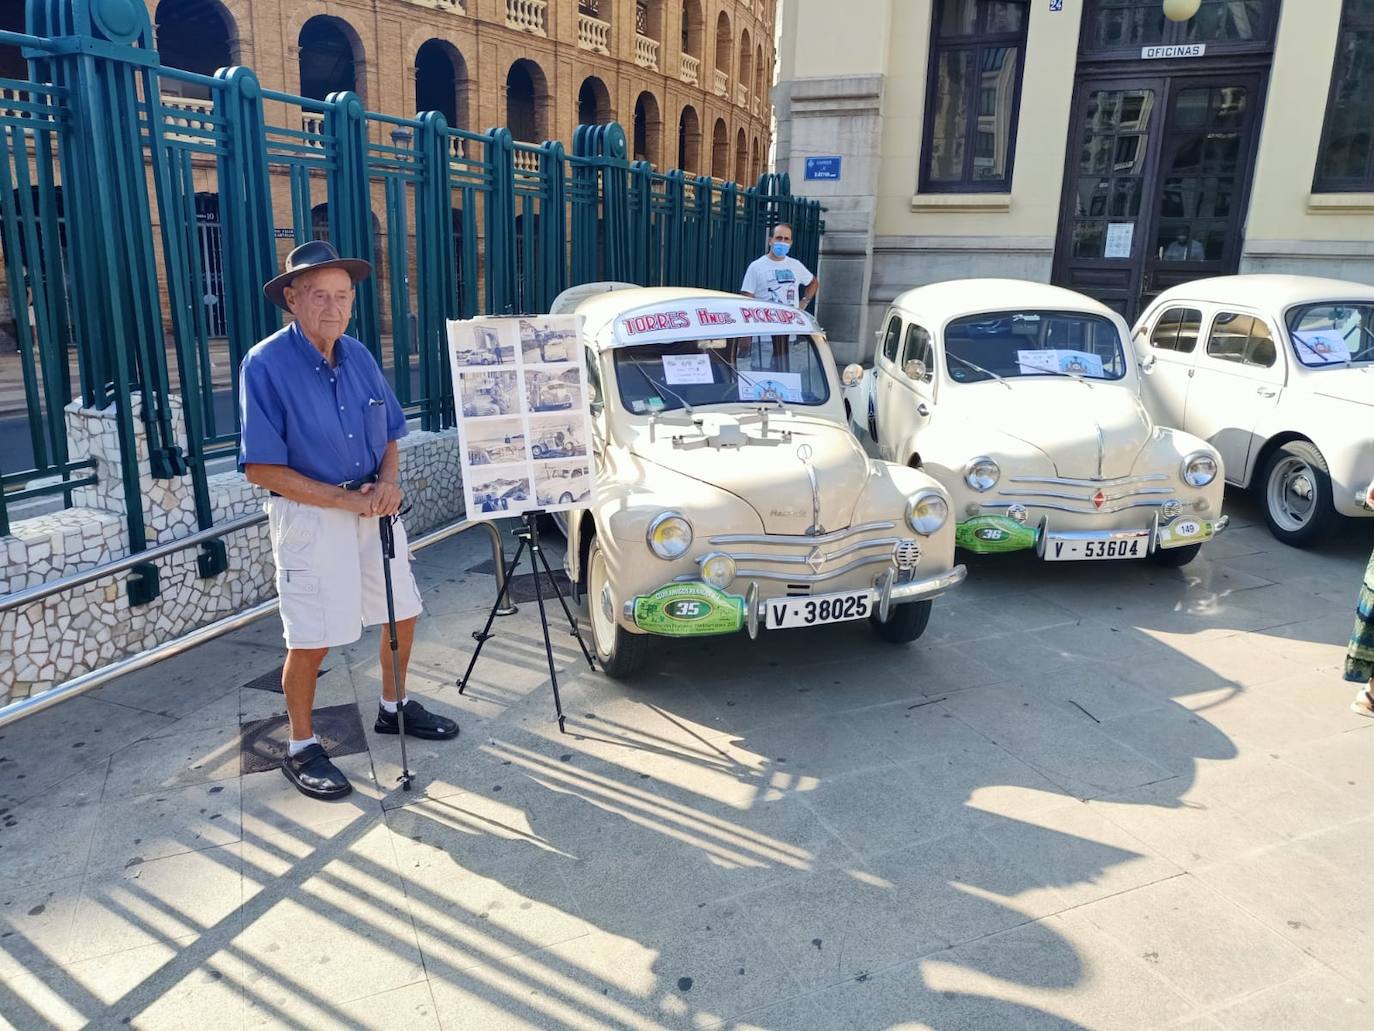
(1230, 336)
(597, 399)
(1177, 330)
(1243, 339)
(892, 338)
(918, 348)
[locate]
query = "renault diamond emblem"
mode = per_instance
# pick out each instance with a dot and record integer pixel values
(815, 560)
(1099, 499)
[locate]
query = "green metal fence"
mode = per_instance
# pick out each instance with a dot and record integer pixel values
(143, 224)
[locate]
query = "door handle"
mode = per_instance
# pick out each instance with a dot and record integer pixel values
(1148, 365)
(923, 410)
(1266, 392)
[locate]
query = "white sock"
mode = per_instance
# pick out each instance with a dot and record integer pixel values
(388, 706)
(297, 747)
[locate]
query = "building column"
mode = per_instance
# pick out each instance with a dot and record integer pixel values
(838, 116)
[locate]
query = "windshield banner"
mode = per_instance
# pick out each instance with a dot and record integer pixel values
(709, 318)
(1326, 347)
(1051, 360)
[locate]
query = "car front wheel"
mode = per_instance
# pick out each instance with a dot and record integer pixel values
(1296, 492)
(904, 623)
(620, 653)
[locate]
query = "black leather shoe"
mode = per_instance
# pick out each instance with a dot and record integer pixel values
(419, 723)
(314, 775)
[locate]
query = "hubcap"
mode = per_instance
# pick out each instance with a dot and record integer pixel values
(603, 610)
(1292, 494)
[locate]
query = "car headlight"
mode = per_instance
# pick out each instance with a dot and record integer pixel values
(1199, 469)
(927, 512)
(669, 536)
(718, 570)
(982, 474)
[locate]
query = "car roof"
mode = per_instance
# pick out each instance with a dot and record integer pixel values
(956, 297)
(1266, 291)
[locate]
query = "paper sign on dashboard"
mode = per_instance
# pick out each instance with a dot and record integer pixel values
(1321, 347)
(770, 386)
(679, 369)
(1080, 363)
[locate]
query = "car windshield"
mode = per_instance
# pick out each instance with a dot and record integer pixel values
(1333, 333)
(1033, 343)
(695, 373)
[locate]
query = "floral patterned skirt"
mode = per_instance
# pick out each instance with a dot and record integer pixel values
(1359, 659)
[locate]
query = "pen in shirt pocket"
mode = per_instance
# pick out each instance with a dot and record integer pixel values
(375, 402)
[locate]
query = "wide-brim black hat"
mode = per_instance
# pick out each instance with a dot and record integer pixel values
(308, 257)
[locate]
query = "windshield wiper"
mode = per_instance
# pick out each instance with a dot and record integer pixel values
(978, 368)
(1062, 372)
(743, 377)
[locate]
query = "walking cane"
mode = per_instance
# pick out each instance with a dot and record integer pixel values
(388, 535)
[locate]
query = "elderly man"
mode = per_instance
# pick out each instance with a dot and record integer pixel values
(320, 426)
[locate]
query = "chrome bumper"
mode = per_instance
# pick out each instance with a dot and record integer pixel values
(888, 594)
(1151, 534)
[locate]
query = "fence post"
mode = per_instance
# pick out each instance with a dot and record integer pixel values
(350, 206)
(500, 224)
(436, 286)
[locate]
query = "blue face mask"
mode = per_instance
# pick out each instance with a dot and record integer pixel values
(780, 249)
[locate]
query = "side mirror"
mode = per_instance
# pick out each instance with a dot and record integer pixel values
(915, 369)
(852, 375)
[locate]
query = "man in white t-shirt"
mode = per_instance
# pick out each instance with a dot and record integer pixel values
(776, 277)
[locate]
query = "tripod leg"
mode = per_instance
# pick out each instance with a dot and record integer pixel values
(535, 556)
(572, 621)
(481, 638)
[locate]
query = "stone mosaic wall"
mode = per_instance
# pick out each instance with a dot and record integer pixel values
(48, 642)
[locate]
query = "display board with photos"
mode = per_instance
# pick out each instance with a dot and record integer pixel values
(524, 422)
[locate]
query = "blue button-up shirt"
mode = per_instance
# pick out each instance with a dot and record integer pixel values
(331, 424)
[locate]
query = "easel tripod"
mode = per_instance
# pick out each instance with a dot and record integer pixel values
(528, 535)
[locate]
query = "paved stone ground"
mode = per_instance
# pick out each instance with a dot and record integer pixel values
(1106, 796)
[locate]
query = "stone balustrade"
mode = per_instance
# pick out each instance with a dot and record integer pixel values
(527, 16)
(592, 33)
(186, 113)
(526, 161)
(741, 94)
(646, 52)
(689, 69)
(722, 83)
(313, 123)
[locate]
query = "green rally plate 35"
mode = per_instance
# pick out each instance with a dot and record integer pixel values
(689, 610)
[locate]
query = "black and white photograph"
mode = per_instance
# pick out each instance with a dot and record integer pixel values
(547, 341)
(494, 392)
(496, 442)
(482, 342)
(557, 437)
(553, 390)
(504, 488)
(562, 483)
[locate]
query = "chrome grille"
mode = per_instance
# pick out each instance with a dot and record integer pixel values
(802, 561)
(1067, 494)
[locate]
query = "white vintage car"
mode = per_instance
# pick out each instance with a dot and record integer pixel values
(1278, 373)
(730, 493)
(1021, 400)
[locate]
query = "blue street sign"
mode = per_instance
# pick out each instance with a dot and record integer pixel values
(823, 167)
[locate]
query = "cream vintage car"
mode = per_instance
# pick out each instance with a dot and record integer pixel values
(730, 493)
(1278, 373)
(1021, 400)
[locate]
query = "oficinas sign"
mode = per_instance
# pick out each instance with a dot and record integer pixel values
(717, 319)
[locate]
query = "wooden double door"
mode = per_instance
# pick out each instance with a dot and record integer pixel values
(1157, 180)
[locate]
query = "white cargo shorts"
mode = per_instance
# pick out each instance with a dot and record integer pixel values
(329, 574)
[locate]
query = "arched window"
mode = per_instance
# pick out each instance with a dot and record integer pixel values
(12, 63)
(754, 164)
(720, 150)
(724, 43)
(527, 102)
(649, 19)
(193, 35)
(330, 57)
(693, 26)
(648, 129)
(762, 76)
(594, 102)
(746, 60)
(741, 157)
(689, 140)
(441, 81)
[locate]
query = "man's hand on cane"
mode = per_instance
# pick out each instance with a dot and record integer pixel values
(385, 498)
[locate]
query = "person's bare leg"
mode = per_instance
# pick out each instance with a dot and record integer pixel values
(405, 637)
(298, 678)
